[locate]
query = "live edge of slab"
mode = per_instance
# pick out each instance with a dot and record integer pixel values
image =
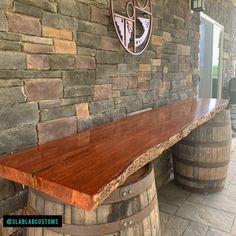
(84, 169)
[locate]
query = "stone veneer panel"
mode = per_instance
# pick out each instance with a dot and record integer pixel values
(56, 129)
(23, 24)
(43, 89)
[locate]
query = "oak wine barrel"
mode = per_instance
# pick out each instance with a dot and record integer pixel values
(132, 209)
(201, 159)
(13, 197)
(233, 118)
(163, 169)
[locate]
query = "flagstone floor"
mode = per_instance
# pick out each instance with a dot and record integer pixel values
(187, 214)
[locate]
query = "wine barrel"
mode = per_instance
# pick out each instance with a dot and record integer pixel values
(163, 169)
(132, 209)
(12, 196)
(201, 159)
(233, 118)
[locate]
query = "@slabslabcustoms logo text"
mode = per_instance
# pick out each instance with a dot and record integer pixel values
(133, 23)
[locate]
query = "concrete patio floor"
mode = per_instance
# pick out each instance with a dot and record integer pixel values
(187, 214)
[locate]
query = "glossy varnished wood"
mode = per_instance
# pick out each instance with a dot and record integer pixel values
(84, 169)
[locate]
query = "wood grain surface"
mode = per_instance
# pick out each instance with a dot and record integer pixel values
(84, 169)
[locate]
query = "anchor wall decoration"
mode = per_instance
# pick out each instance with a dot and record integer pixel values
(133, 23)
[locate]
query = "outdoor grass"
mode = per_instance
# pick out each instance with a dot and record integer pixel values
(215, 71)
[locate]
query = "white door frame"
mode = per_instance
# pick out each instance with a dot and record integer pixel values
(220, 83)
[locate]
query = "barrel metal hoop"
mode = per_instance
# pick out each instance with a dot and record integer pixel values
(109, 228)
(200, 164)
(207, 181)
(129, 191)
(205, 144)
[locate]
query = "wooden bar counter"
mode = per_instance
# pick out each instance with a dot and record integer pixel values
(84, 169)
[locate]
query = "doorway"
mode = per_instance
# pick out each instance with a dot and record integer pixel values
(210, 58)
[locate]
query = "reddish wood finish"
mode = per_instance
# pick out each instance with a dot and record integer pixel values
(85, 168)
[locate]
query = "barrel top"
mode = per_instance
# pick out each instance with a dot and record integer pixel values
(84, 169)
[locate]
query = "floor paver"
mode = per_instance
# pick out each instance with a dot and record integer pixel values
(232, 167)
(167, 208)
(215, 232)
(218, 201)
(172, 225)
(196, 229)
(190, 214)
(233, 230)
(231, 190)
(233, 181)
(206, 215)
(173, 195)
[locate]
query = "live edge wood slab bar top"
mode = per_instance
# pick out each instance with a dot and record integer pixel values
(85, 168)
